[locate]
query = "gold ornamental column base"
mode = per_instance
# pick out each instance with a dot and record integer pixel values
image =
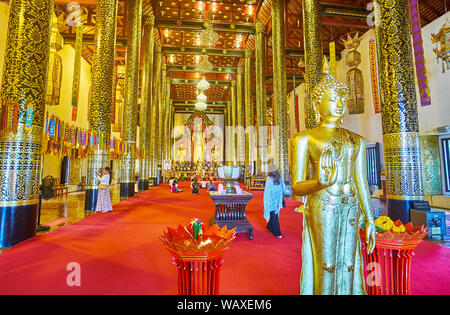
(403, 173)
(127, 180)
(20, 165)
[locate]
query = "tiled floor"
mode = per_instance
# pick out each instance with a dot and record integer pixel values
(63, 210)
(69, 208)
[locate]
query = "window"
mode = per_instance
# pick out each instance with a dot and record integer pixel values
(445, 158)
(373, 164)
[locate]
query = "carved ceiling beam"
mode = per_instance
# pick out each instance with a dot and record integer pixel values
(238, 53)
(180, 68)
(199, 25)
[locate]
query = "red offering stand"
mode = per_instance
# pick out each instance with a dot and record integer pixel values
(198, 260)
(388, 268)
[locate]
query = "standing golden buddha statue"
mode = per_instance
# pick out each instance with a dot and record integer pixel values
(338, 194)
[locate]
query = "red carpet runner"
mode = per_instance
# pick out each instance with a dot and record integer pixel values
(120, 252)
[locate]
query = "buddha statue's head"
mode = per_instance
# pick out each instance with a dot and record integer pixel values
(329, 96)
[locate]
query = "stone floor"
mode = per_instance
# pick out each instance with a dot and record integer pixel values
(63, 210)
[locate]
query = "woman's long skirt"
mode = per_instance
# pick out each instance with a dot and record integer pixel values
(274, 224)
(104, 200)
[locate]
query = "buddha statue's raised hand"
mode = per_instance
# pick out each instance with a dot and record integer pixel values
(327, 168)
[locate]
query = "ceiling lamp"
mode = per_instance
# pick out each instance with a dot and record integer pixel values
(201, 97)
(205, 65)
(208, 37)
(200, 106)
(203, 85)
(441, 41)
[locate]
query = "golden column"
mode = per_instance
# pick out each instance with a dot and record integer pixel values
(161, 110)
(248, 106)
(101, 96)
(240, 141)
(399, 108)
(171, 124)
(312, 35)
(261, 101)
(154, 116)
(279, 88)
(130, 110)
(147, 76)
(229, 114)
(23, 98)
(231, 145)
(167, 112)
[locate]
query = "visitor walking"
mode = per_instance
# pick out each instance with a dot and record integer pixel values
(273, 202)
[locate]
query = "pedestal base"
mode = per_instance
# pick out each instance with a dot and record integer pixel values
(90, 199)
(127, 190)
(142, 185)
(388, 268)
(198, 277)
(230, 211)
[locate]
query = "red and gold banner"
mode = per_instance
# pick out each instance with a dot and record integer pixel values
(421, 70)
(374, 76)
(76, 71)
(61, 138)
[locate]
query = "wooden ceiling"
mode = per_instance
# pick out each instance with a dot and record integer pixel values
(180, 21)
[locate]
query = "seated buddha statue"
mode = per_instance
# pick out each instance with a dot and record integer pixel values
(338, 197)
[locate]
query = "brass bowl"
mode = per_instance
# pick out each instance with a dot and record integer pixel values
(229, 174)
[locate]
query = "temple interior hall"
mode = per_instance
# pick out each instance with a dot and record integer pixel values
(165, 147)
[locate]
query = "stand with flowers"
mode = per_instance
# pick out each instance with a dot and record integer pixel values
(389, 266)
(198, 256)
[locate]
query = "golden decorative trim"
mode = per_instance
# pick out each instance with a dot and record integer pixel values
(19, 203)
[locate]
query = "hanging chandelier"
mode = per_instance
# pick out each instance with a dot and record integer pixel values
(205, 65)
(203, 85)
(208, 37)
(200, 106)
(201, 97)
(442, 42)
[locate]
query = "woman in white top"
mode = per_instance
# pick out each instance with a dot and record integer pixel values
(104, 195)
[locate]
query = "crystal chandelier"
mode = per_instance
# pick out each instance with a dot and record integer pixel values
(203, 85)
(208, 37)
(205, 65)
(201, 97)
(200, 106)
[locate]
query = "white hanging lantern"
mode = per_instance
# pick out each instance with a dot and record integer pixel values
(201, 97)
(200, 106)
(203, 85)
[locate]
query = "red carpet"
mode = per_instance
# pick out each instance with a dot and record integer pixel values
(120, 252)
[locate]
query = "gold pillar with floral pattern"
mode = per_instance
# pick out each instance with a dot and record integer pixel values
(167, 112)
(154, 115)
(312, 35)
(261, 101)
(280, 104)
(23, 92)
(248, 106)
(101, 95)
(240, 141)
(146, 99)
(161, 110)
(398, 108)
(130, 113)
(231, 148)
